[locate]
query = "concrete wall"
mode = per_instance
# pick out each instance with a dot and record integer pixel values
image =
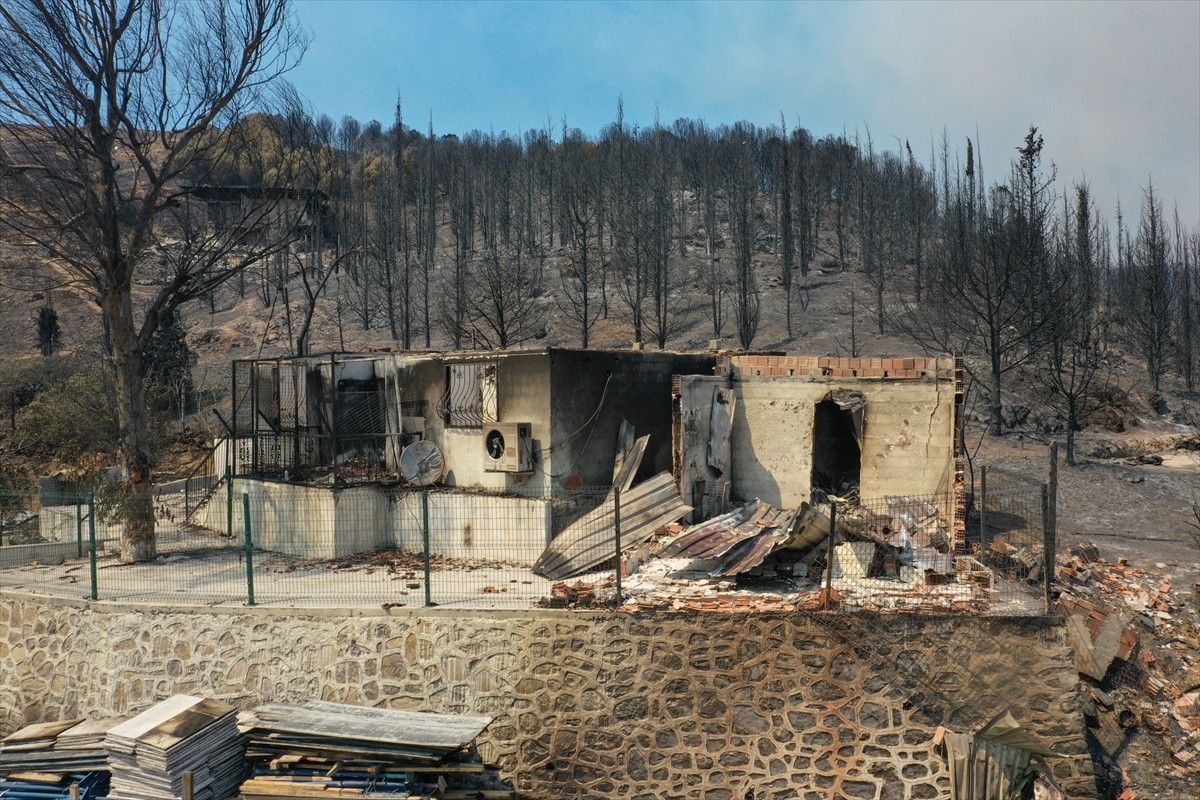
(908, 434)
(315, 522)
(523, 395)
(461, 525)
(589, 705)
(593, 391)
(560, 392)
(58, 524)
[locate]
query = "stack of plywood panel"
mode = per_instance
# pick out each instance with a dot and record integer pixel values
(48, 759)
(149, 754)
(62, 747)
(321, 749)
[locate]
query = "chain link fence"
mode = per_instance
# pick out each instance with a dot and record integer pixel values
(286, 544)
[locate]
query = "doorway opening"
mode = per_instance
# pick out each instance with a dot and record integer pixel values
(837, 444)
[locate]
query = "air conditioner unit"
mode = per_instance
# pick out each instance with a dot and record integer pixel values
(508, 447)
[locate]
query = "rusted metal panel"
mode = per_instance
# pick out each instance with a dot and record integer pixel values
(742, 539)
(709, 538)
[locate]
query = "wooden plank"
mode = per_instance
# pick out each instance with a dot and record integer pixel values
(625, 441)
(131, 729)
(357, 723)
(186, 724)
(39, 730)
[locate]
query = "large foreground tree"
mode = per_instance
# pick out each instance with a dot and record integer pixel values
(108, 108)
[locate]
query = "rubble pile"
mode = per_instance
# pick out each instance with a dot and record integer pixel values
(759, 558)
(1138, 651)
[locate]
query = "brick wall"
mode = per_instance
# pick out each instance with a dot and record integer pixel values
(780, 366)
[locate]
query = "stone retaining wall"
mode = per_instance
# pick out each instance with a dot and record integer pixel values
(588, 705)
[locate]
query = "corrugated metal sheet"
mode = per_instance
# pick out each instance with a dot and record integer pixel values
(716, 536)
(743, 538)
(591, 540)
(994, 763)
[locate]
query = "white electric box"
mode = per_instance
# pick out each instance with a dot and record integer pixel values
(508, 447)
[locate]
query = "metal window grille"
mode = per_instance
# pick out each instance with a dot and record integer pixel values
(471, 398)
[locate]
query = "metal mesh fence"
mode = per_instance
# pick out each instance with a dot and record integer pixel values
(280, 543)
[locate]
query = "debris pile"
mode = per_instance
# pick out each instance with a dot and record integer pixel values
(150, 754)
(321, 749)
(1138, 648)
(761, 558)
(1001, 759)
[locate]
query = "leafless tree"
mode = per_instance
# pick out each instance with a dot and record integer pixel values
(1148, 291)
(502, 297)
(1074, 371)
(785, 179)
(988, 286)
(629, 221)
(582, 186)
(668, 304)
(104, 107)
(741, 190)
(1187, 305)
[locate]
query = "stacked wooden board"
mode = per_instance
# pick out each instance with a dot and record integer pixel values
(320, 749)
(62, 747)
(149, 754)
(45, 759)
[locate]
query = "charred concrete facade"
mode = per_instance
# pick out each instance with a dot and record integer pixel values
(318, 444)
(574, 401)
(894, 433)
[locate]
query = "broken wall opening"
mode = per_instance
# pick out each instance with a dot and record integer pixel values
(837, 450)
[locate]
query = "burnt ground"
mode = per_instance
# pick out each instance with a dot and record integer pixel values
(1139, 511)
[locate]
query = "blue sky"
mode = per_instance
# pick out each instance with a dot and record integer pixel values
(1114, 87)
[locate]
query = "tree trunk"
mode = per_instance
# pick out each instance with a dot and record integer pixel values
(1072, 426)
(997, 404)
(137, 511)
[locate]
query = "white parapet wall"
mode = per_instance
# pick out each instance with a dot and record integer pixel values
(317, 522)
(59, 524)
(462, 525)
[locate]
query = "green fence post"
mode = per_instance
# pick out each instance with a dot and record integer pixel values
(617, 536)
(1047, 551)
(228, 502)
(983, 509)
(425, 543)
(249, 549)
(830, 554)
(78, 527)
(92, 541)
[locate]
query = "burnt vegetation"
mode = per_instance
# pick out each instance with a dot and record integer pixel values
(668, 235)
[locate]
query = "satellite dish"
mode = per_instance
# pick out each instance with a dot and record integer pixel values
(422, 463)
